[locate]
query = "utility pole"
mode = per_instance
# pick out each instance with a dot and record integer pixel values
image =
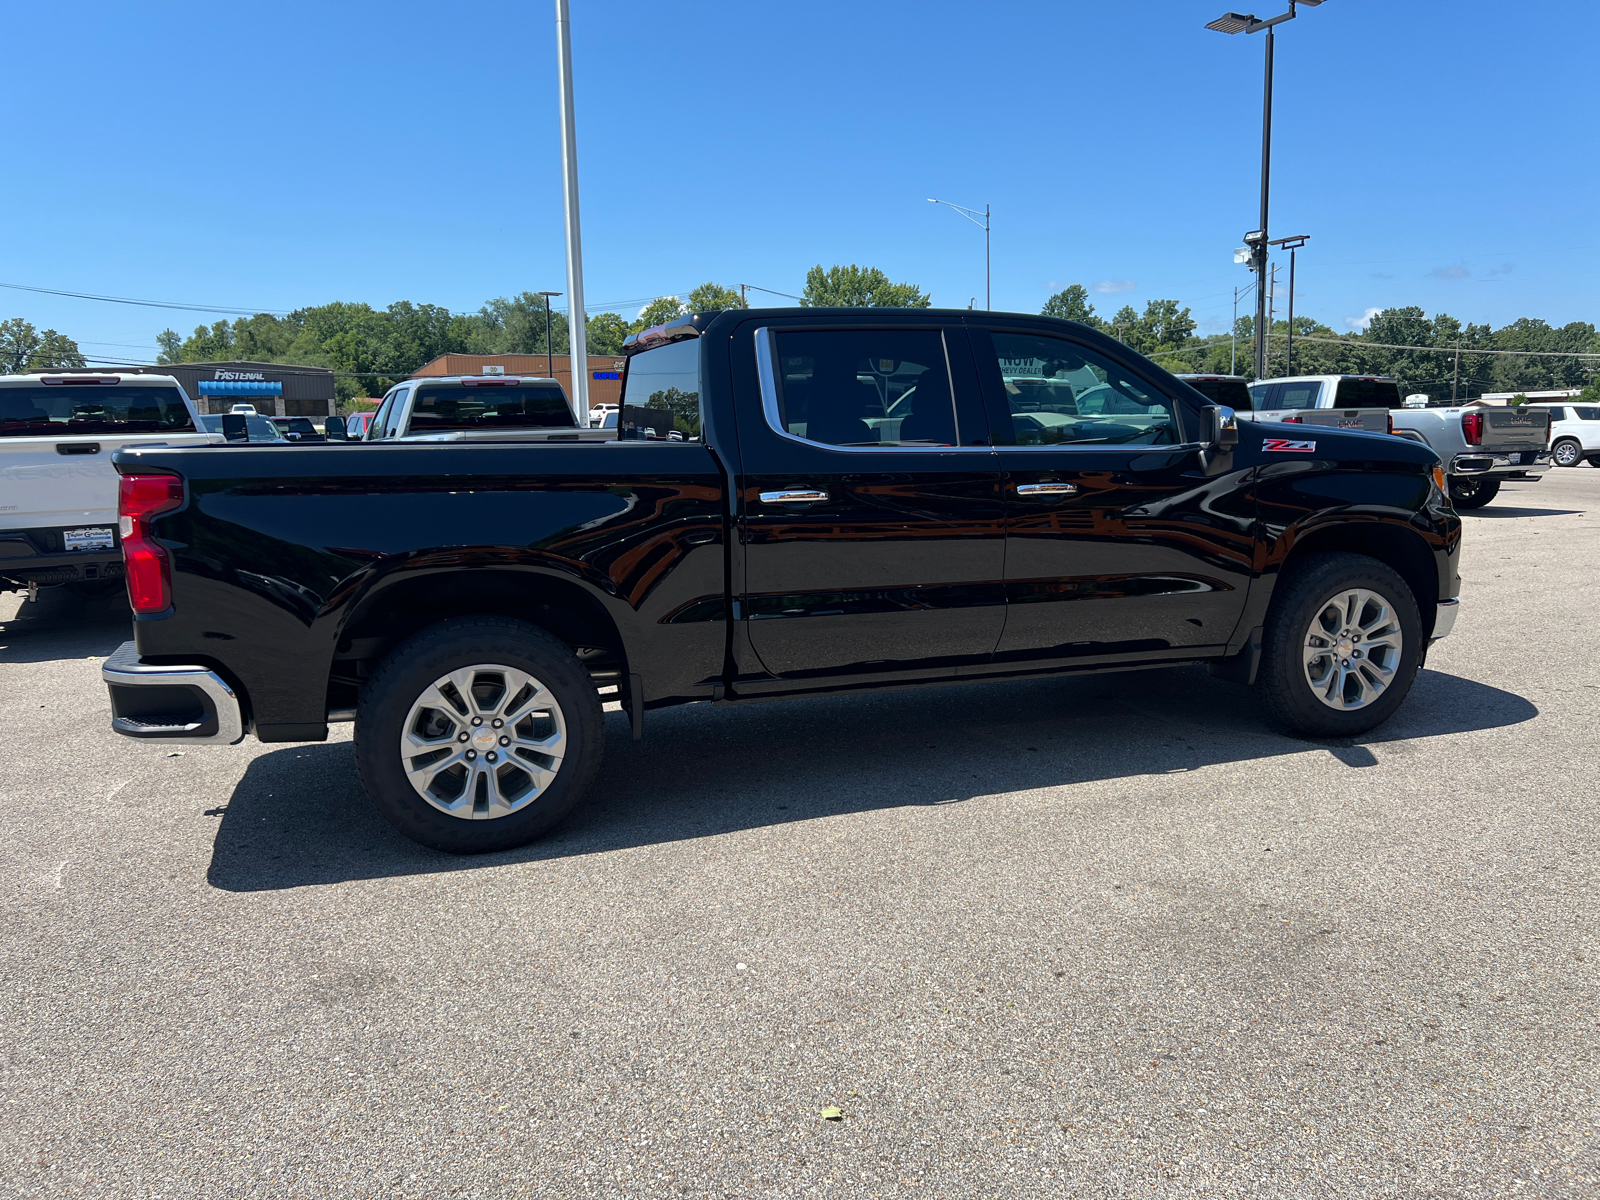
(577, 341)
(549, 361)
(743, 302)
(1455, 377)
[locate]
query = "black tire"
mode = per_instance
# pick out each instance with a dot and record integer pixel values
(1473, 493)
(1594, 460)
(1568, 452)
(1306, 591)
(400, 681)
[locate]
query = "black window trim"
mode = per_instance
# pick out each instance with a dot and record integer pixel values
(766, 376)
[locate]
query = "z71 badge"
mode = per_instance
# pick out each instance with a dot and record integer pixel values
(1285, 446)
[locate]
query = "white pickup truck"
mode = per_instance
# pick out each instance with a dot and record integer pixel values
(58, 491)
(1480, 446)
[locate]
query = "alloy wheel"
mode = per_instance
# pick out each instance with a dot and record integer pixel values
(483, 741)
(1352, 649)
(1568, 454)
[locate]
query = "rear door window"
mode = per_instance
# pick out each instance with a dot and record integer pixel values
(1299, 394)
(1587, 414)
(488, 404)
(865, 387)
(40, 410)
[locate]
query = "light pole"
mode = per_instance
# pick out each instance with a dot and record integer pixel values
(1232, 22)
(577, 340)
(549, 363)
(1291, 244)
(971, 214)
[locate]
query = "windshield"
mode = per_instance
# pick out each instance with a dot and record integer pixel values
(33, 410)
(490, 405)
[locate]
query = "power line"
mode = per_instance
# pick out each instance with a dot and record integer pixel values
(1392, 346)
(211, 308)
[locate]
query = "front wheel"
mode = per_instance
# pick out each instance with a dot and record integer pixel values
(1566, 453)
(1473, 492)
(1342, 645)
(478, 734)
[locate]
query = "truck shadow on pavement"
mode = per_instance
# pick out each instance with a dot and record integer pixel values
(60, 625)
(1492, 511)
(298, 817)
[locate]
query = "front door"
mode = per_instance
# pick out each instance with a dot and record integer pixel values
(1119, 543)
(872, 537)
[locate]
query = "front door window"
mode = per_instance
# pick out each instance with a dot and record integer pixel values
(1060, 393)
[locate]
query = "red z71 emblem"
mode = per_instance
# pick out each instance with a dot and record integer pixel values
(1284, 445)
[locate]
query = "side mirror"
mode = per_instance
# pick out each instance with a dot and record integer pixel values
(334, 430)
(1218, 428)
(234, 428)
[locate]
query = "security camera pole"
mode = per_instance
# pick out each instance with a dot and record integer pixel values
(1256, 239)
(576, 341)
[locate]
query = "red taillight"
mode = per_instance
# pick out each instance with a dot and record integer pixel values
(1391, 422)
(149, 572)
(1294, 420)
(1472, 428)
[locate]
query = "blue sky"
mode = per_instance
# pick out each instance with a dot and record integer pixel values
(275, 155)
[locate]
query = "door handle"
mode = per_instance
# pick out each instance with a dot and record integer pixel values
(1046, 489)
(793, 496)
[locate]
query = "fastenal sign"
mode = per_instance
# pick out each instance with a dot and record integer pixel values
(240, 376)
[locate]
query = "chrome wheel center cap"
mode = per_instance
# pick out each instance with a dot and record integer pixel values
(484, 738)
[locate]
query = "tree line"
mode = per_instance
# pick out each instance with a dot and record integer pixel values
(369, 349)
(1166, 333)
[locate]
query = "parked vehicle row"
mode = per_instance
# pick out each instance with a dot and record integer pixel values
(861, 502)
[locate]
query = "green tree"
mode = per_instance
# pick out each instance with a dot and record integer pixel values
(1071, 304)
(24, 348)
(859, 287)
(169, 347)
(658, 312)
(713, 297)
(606, 333)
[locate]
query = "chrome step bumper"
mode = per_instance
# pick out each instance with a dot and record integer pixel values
(162, 704)
(1528, 462)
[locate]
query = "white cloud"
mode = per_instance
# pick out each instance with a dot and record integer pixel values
(1109, 287)
(1363, 320)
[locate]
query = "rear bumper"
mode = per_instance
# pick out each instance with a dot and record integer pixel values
(189, 704)
(1444, 620)
(1524, 463)
(19, 567)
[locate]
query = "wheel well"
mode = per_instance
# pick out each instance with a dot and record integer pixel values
(1400, 549)
(410, 606)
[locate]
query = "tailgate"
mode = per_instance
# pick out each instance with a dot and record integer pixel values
(58, 481)
(1371, 420)
(1509, 429)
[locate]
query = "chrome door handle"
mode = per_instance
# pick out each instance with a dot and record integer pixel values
(1046, 489)
(793, 496)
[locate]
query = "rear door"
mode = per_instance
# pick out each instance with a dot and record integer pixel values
(873, 539)
(1119, 543)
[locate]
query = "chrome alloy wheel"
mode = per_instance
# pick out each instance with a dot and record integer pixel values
(1352, 649)
(1568, 453)
(483, 741)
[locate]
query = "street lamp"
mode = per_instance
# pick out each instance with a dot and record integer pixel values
(1232, 22)
(971, 214)
(1291, 244)
(549, 367)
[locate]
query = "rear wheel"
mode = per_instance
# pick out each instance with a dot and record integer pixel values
(479, 734)
(1473, 492)
(1342, 645)
(1568, 452)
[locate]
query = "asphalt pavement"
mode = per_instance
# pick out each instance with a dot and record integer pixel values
(1086, 937)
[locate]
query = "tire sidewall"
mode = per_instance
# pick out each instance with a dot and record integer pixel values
(386, 702)
(1289, 693)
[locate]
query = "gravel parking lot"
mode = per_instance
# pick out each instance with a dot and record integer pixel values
(1097, 937)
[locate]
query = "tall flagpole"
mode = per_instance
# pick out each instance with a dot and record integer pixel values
(576, 339)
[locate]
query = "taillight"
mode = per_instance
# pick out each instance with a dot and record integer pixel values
(1391, 421)
(149, 571)
(1294, 420)
(1472, 428)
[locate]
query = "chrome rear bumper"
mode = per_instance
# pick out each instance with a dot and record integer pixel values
(170, 703)
(1526, 462)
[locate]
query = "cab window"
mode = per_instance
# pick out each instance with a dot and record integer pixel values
(1060, 393)
(865, 387)
(666, 379)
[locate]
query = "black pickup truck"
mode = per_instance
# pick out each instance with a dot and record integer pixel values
(863, 499)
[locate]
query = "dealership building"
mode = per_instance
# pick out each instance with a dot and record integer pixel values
(276, 389)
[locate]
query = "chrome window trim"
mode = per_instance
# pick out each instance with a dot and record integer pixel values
(766, 349)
